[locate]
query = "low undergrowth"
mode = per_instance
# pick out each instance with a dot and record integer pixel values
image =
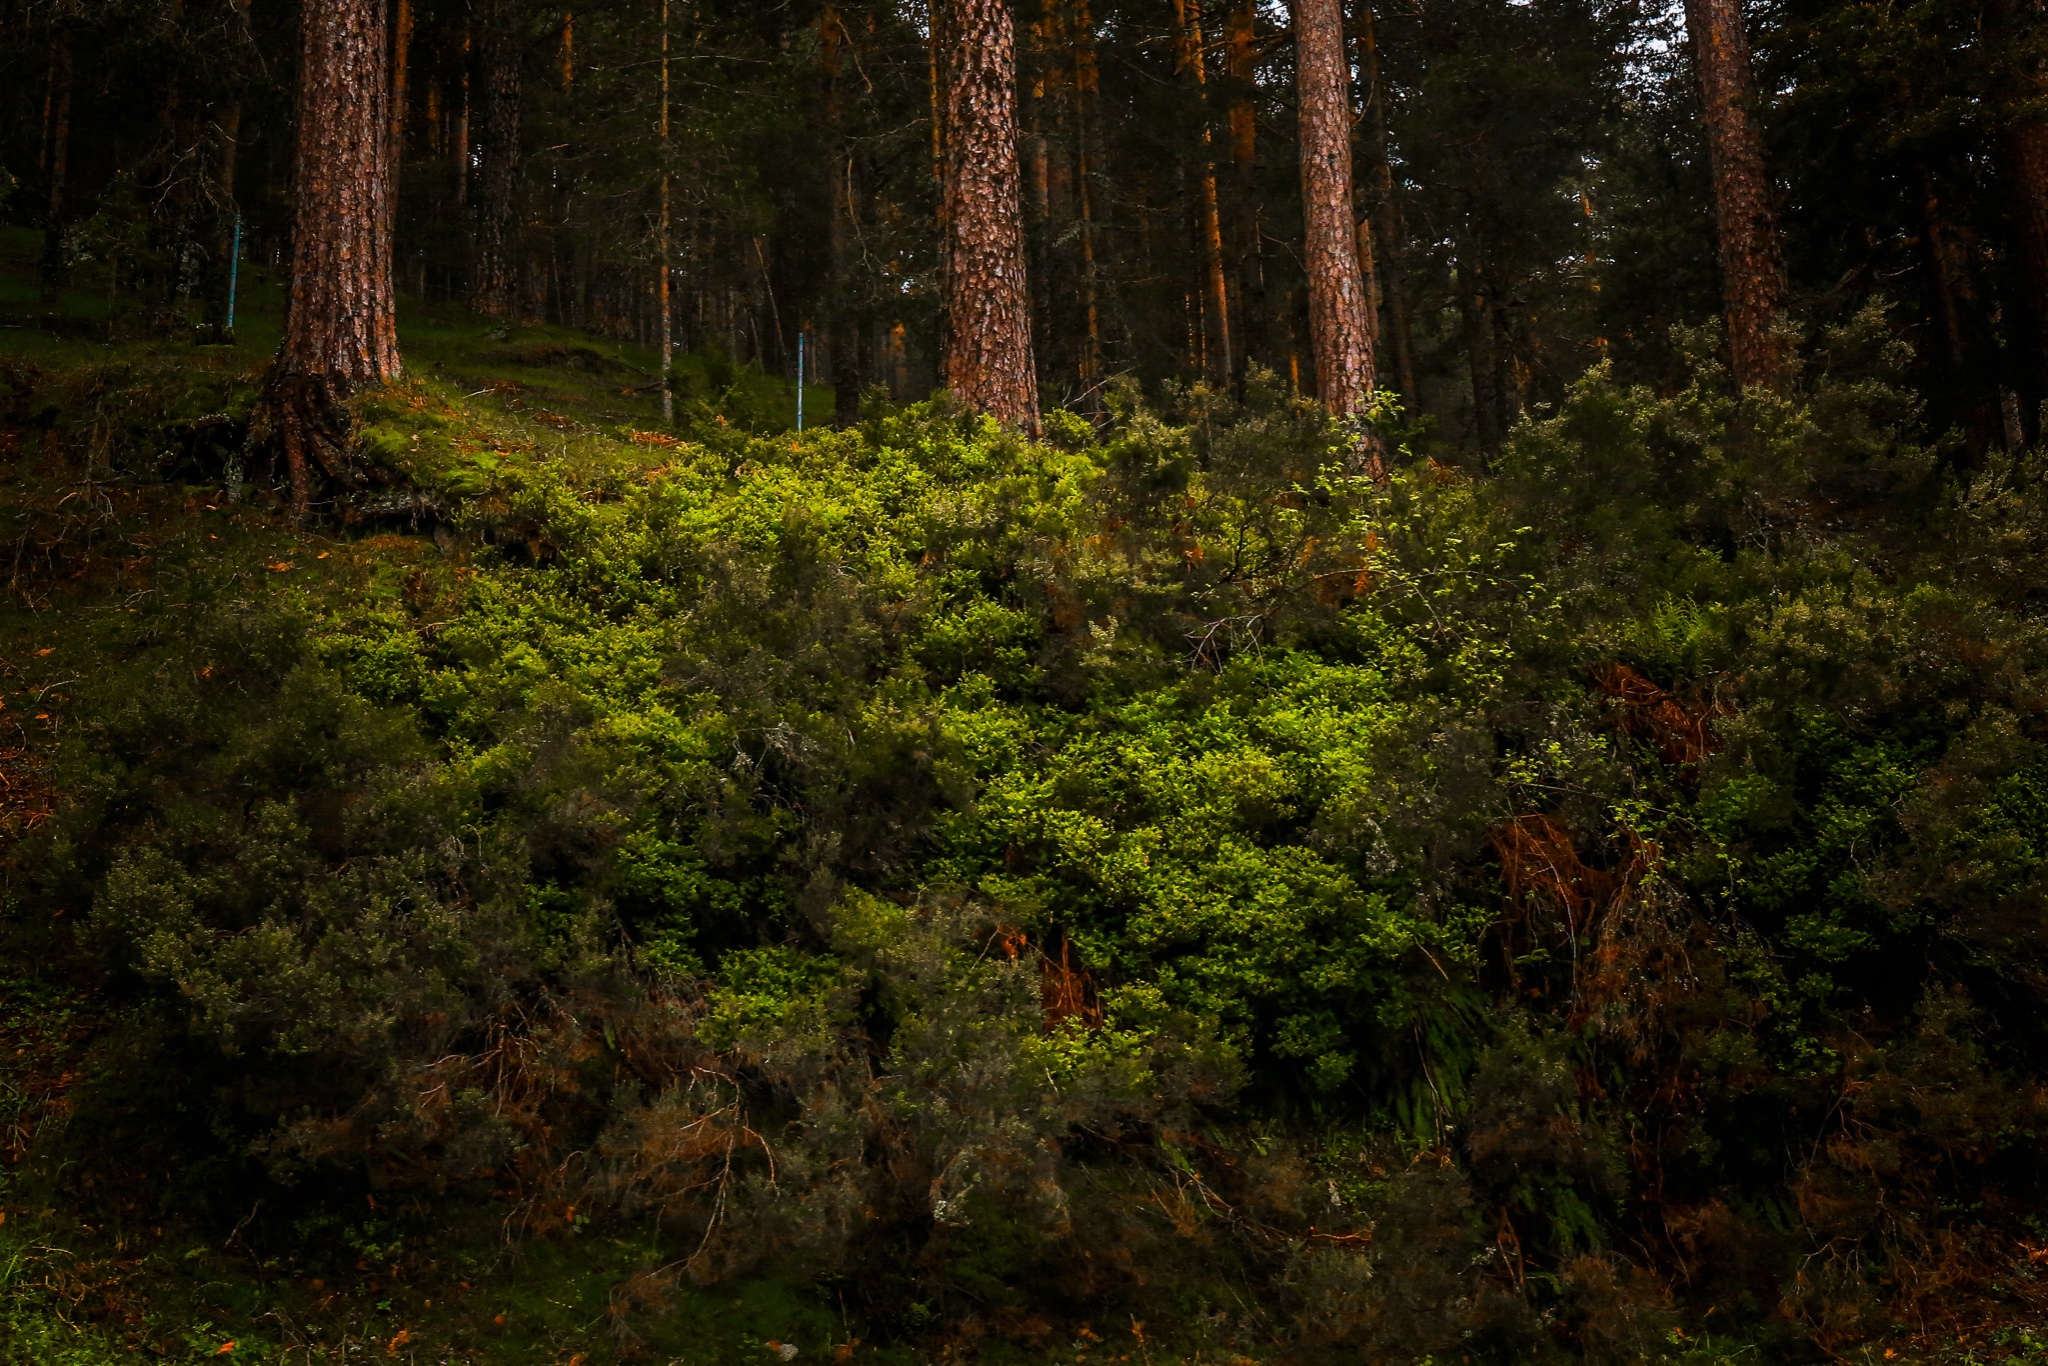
(916, 891)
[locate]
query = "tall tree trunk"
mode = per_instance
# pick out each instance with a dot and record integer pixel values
(842, 323)
(1482, 354)
(1087, 84)
(1385, 214)
(401, 66)
(1194, 63)
(498, 159)
(461, 147)
(1337, 302)
(58, 160)
(2024, 152)
(1241, 70)
(341, 328)
(988, 359)
(663, 271)
(1753, 282)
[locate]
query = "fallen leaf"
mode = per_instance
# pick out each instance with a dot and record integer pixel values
(280, 567)
(224, 1349)
(321, 556)
(404, 1336)
(41, 654)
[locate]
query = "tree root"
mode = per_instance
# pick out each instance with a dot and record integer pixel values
(305, 419)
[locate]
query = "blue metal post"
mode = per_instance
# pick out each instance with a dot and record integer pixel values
(234, 271)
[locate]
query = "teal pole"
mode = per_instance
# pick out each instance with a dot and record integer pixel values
(234, 271)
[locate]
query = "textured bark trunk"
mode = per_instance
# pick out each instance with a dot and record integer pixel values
(498, 159)
(1753, 284)
(1337, 303)
(341, 331)
(1386, 214)
(988, 359)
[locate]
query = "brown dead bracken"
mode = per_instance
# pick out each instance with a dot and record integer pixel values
(1681, 731)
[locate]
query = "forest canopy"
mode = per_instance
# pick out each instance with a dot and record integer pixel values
(1024, 680)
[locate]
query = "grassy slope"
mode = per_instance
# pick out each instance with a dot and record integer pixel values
(87, 546)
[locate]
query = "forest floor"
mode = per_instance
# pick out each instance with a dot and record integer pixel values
(94, 524)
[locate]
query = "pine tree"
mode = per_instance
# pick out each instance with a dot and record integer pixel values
(1339, 326)
(988, 360)
(1753, 282)
(341, 330)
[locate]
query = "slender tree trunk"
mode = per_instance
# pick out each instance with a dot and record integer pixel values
(1087, 83)
(1386, 215)
(843, 329)
(59, 161)
(1194, 63)
(1482, 353)
(1753, 284)
(401, 64)
(461, 148)
(1241, 69)
(498, 162)
(1969, 398)
(1337, 303)
(228, 143)
(661, 247)
(341, 331)
(988, 358)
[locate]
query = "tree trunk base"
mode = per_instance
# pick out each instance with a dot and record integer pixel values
(305, 420)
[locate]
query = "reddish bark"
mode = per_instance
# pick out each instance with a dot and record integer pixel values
(1339, 325)
(1753, 282)
(987, 352)
(341, 330)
